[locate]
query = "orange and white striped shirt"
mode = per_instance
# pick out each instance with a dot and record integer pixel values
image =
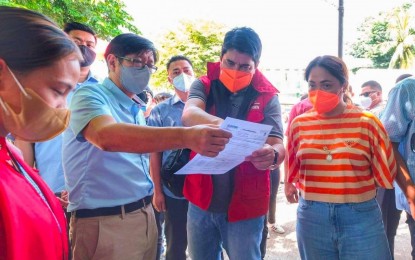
(340, 159)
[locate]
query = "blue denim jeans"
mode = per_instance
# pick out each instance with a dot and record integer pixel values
(208, 232)
(341, 231)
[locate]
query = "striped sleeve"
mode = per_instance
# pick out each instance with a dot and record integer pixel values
(292, 147)
(384, 166)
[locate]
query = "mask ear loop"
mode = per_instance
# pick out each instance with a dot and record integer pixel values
(18, 84)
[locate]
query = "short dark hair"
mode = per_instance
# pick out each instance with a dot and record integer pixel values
(128, 43)
(176, 58)
(30, 40)
(244, 40)
(71, 26)
(334, 65)
(373, 84)
(402, 77)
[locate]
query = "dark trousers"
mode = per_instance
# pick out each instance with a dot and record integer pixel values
(175, 228)
(391, 216)
(270, 217)
(275, 183)
(411, 224)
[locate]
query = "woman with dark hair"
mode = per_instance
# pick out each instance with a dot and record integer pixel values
(39, 66)
(337, 156)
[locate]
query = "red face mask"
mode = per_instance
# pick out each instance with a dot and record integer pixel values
(235, 80)
(323, 101)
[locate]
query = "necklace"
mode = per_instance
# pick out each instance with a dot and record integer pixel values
(326, 147)
(329, 157)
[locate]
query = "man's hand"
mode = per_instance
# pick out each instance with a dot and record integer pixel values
(64, 199)
(291, 192)
(207, 140)
(159, 202)
(263, 158)
(410, 196)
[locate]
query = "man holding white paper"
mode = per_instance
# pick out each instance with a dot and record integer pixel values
(247, 137)
(228, 210)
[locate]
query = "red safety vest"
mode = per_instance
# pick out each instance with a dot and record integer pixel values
(251, 189)
(29, 228)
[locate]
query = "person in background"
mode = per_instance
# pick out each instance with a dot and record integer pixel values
(150, 103)
(275, 181)
(86, 40)
(169, 113)
(403, 76)
(384, 197)
(371, 97)
(158, 98)
(105, 157)
(32, 108)
(269, 221)
(229, 209)
(337, 155)
(398, 119)
(47, 156)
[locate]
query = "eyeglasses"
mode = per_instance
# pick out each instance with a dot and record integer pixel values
(366, 94)
(139, 64)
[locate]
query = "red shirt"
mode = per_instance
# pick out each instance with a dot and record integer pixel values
(31, 226)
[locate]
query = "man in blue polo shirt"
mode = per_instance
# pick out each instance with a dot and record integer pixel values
(47, 156)
(165, 114)
(398, 117)
(105, 157)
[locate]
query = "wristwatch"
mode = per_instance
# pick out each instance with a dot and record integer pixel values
(274, 165)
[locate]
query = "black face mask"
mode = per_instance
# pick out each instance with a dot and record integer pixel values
(88, 55)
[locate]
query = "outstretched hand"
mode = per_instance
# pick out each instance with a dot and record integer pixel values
(207, 140)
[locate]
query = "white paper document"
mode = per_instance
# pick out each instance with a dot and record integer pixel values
(247, 137)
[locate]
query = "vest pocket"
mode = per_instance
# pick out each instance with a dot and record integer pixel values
(254, 184)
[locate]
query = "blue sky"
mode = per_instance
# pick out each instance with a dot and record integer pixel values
(292, 31)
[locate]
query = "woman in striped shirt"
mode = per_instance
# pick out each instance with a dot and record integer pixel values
(337, 156)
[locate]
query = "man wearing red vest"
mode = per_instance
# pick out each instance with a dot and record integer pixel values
(228, 210)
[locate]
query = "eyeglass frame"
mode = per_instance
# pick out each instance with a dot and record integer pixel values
(152, 69)
(367, 94)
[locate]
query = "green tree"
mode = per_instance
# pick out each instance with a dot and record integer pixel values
(387, 39)
(108, 18)
(401, 29)
(198, 40)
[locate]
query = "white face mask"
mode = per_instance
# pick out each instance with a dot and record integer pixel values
(365, 102)
(183, 82)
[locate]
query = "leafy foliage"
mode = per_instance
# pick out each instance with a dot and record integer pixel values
(107, 17)
(198, 40)
(388, 39)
